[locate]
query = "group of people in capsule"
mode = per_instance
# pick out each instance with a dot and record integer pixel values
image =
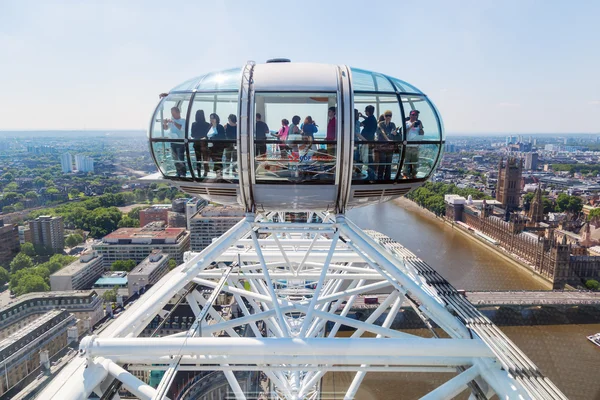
(217, 143)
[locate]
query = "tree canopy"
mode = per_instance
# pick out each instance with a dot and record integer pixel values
(21, 261)
(123, 265)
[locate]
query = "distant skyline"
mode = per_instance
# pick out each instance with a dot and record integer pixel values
(491, 67)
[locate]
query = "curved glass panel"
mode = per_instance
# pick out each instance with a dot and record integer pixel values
(295, 137)
(423, 126)
(169, 118)
(171, 158)
(213, 136)
(377, 138)
(368, 81)
(404, 86)
(221, 80)
(419, 160)
(187, 85)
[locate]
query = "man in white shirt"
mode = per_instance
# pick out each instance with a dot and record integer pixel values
(414, 131)
(176, 127)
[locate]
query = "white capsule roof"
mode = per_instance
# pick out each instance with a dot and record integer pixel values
(296, 136)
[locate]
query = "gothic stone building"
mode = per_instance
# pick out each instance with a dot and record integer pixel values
(551, 258)
(508, 189)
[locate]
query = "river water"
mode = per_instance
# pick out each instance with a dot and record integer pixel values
(562, 352)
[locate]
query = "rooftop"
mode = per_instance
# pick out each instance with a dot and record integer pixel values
(155, 259)
(111, 280)
(144, 233)
(19, 334)
(48, 295)
(79, 264)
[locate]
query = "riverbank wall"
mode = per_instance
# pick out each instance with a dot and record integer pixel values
(505, 255)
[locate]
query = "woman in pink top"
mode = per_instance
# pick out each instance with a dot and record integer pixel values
(282, 136)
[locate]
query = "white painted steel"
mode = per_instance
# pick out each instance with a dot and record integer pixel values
(106, 347)
(137, 387)
(288, 283)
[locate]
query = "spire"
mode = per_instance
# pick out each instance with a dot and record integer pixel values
(536, 209)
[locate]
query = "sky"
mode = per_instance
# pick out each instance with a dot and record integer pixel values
(490, 66)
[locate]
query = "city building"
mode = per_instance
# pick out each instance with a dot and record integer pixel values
(80, 274)
(9, 241)
(137, 243)
(531, 161)
(148, 272)
(154, 214)
(24, 234)
(508, 189)
(112, 279)
(177, 220)
(49, 232)
(550, 252)
(84, 163)
(85, 305)
(66, 163)
(20, 352)
(211, 222)
(192, 207)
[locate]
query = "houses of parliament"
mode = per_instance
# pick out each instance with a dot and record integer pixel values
(560, 250)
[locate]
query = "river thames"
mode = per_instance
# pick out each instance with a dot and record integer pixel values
(562, 352)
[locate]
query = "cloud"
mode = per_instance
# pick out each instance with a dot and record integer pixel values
(594, 103)
(506, 104)
(444, 90)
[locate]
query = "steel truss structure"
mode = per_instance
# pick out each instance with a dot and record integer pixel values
(295, 285)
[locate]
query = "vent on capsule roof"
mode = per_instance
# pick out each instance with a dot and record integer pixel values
(278, 60)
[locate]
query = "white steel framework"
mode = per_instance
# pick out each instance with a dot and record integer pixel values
(295, 285)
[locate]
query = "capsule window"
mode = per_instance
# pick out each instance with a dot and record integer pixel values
(378, 137)
(213, 137)
(295, 137)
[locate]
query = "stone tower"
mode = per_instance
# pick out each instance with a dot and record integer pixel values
(536, 209)
(508, 189)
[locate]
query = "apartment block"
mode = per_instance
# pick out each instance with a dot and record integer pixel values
(80, 274)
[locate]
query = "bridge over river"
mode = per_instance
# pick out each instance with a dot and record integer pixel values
(522, 298)
(533, 298)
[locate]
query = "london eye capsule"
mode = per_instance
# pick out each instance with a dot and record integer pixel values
(295, 136)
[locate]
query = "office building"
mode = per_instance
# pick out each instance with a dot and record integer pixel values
(137, 243)
(85, 305)
(211, 222)
(177, 220)
(66, 163)
(9, 241)
(148, 272)
(20, 352)
(192, 207)
(49, 232)
(154, 214)
(80, 274)
(531, 161)
(84, 163)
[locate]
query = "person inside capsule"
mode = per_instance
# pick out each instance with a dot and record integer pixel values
(200, 130)
(414, 130)
(176, 127)
(369, 125)
(216, 136)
